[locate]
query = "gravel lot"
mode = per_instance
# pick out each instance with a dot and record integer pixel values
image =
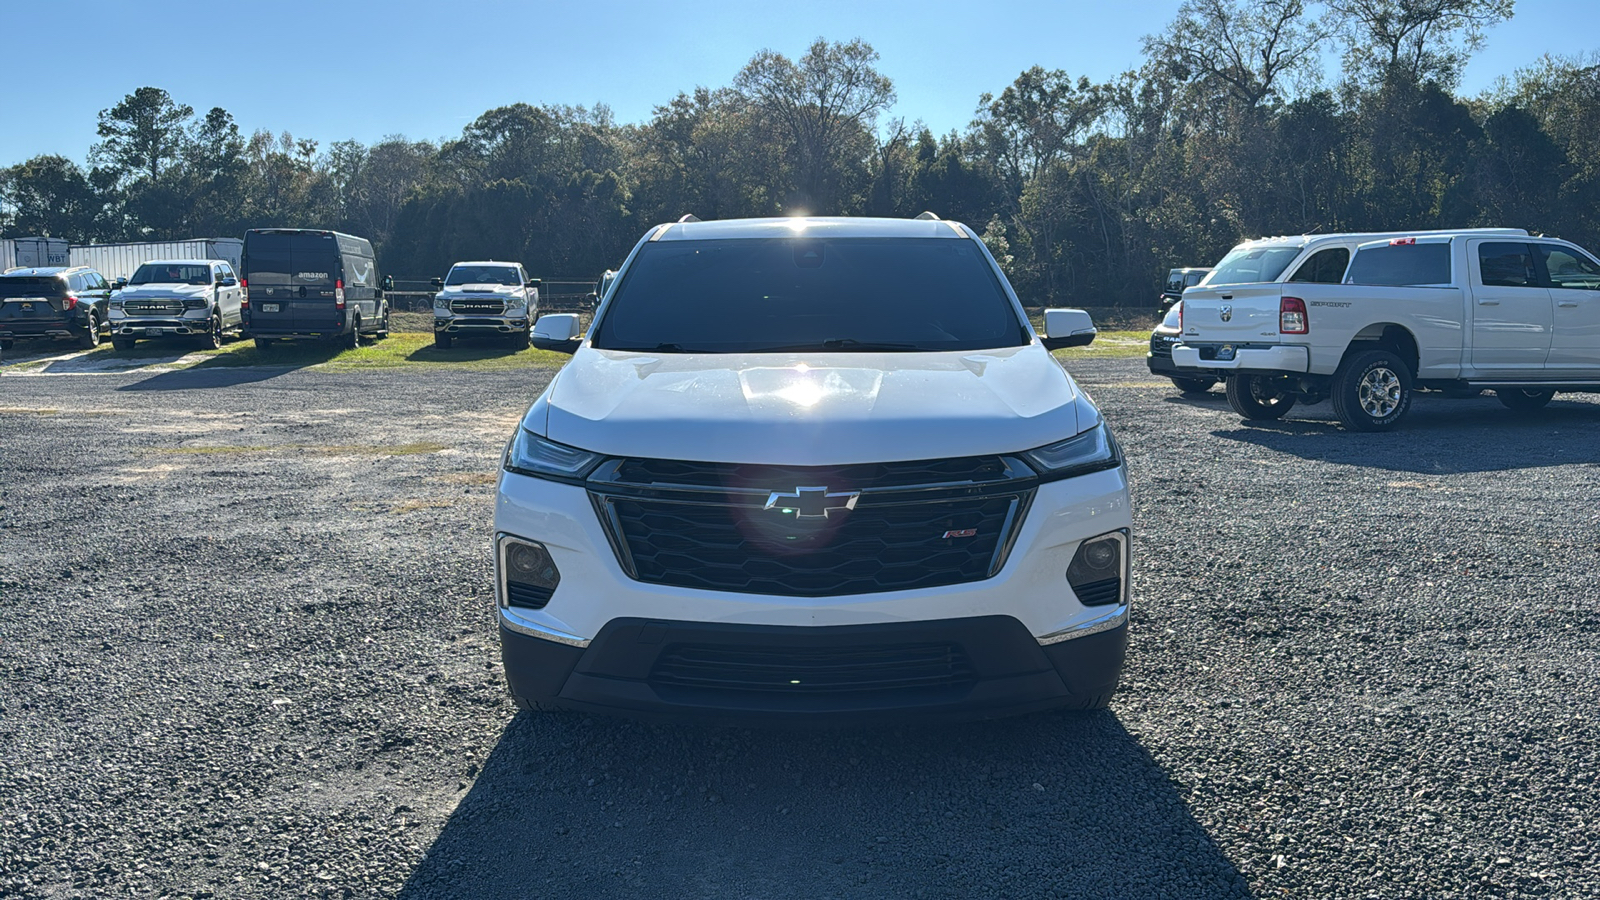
(246, 650)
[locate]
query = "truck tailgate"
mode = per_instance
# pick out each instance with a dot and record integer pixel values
(1234, 314)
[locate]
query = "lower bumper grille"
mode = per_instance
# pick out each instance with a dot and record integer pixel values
(814, 670)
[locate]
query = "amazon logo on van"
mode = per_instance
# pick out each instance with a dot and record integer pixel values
(311, 276)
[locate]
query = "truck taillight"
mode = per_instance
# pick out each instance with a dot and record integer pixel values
(338, 294)
(1292, 316)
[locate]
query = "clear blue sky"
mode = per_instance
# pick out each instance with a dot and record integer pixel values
(333, 70)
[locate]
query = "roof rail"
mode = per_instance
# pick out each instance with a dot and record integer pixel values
(926, 216)
(689, 217)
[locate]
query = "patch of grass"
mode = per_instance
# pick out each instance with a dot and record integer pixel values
(470, 478)
(406, 506)
(412, 449)
(26, 411)
(1111, 345)
(406, 349)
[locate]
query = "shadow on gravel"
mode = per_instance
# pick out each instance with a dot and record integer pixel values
(1044, 806)
(1442, 437)
(243, 366)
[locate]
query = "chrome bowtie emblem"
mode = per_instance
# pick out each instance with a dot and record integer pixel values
(1227, 313)
(812, 502)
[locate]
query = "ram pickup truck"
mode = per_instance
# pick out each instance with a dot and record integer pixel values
(1454, 312)
(812, 470)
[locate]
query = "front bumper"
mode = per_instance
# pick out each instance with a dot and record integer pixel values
(950, 669)
(1159, 358)
(140, 327)
(1281, 358)
(479, 324)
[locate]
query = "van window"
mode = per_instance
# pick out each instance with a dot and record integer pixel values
(1569, 269)
(1252, 265)
(1324, 266)
(1401, 265)
(292, 258)
(1506, 264)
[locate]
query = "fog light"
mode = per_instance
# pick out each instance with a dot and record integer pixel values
(528, 575)
(1097, 571)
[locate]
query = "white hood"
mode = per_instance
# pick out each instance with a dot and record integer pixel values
(811, 409)
(157, 291)
(458, 290)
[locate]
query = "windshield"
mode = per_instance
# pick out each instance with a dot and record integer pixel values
(1252, 265)
(31, 286)
(808, 294)
(483, 275)
(171, 273)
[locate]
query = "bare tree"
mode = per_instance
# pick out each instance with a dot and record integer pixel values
(1248, 47)
(1419, 40)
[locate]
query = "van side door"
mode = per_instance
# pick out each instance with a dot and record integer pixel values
(1512, 314)
(1573, 278)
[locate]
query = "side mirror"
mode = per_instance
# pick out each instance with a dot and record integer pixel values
(437, 282)
(120, 283)
(1067, 328)
(594, 300)
(558, 332)
(387, 283)
(536, 282)
(228, 282)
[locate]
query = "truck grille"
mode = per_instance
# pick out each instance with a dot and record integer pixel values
(800, 670)
(904, 531)
(478, 306)
(1161, 346)
(165, 308)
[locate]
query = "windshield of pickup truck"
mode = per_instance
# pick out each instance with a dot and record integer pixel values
(772, 295)
(1251, 265)
(483, 275)
(170, 273)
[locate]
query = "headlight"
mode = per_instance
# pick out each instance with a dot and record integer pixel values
(114, 304)
(529, 454)
(516, 302)
(1081, 454)
(441, 302)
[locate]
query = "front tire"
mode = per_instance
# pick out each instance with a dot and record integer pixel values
(521, 340)
(1522, 400)
(441, 341)
(122, 345)
(212, 339)
(1253, 397)
(1372, 391)
(1193, 385)
(352, 340)
(265, 345)
(90, 338)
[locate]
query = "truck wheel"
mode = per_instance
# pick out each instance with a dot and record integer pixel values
(1523, 400)
(520, 340)
(1194, 385)
(441, 341)
(1371, 391)
(353, 339)
(122, 345)
(383, 324)
(90, 338)
(265, 344)
(1253, 397)
(212, 339)
(7, 344)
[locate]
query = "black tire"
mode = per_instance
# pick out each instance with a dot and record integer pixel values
(1372, 391)
(1523, 400)
(521, 340)
(90, 338)
(383, 324)
(122, 345)
(1193, 385)
(352, 340)
(1252, 397)
(212, 339)
(7, 344)
(265, 345)
(441, 341)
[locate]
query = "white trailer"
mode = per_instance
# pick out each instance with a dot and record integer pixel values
(30, 252)
(116, 261)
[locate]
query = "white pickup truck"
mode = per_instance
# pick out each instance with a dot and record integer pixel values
(1459, 313)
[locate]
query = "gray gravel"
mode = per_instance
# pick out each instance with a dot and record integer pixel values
(1364, 665)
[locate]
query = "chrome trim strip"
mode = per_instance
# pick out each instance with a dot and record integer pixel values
(510, 619)
(1107, 622)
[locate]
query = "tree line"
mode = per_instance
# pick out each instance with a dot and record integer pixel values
(1086, 191)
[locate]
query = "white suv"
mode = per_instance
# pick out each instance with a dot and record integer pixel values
(814, 469)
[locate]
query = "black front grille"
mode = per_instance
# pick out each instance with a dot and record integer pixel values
(1160, 346)
(1099, 593)
(980, 469)
(478, 307)
(527, 595)
(890, 547)
(816, 670)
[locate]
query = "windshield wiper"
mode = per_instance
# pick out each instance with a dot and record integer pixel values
(844, 344)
